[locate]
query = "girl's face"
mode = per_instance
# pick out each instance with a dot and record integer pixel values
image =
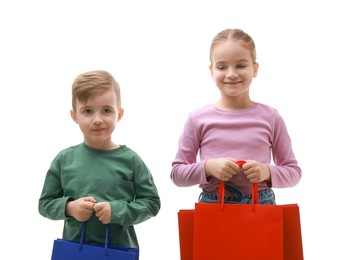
(97, 119)
(232, 68)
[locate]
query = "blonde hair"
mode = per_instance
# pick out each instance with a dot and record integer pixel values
(234, 34)
(92, 83)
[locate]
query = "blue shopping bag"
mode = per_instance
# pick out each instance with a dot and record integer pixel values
(72, 250)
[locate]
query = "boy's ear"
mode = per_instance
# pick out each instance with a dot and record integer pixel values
(120, 114)
(73, 116)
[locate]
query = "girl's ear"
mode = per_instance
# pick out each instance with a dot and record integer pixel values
(120, 114)
(255, 69)
(73, 116)
(211, 71)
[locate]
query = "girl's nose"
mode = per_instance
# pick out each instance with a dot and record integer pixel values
(231, 74)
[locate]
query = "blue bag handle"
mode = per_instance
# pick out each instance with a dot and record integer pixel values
(82, 238)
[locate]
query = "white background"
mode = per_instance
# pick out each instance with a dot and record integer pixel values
(158, 51)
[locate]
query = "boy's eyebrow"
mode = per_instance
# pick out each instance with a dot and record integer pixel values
(91, 107)
(84, 106)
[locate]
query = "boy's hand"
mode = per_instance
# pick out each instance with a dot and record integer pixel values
(103, 212)
(81, 209)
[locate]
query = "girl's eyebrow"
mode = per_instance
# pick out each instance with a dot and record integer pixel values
(236, 61)
(243, 60)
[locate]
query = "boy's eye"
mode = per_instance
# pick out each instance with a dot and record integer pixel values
(87, 111)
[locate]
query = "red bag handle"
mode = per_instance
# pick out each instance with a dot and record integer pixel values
(221, 196)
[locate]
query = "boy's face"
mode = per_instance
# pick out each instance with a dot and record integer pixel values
(97, 119)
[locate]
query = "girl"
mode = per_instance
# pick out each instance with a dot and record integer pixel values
(235, 128)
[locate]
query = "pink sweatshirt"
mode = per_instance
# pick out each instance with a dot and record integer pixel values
(257, 133)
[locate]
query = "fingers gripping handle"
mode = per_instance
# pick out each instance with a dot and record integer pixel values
(221, 196)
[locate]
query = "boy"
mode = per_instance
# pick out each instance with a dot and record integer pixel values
(98, 181)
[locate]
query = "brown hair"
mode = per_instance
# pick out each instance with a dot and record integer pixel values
(92, 83)
(235, 34)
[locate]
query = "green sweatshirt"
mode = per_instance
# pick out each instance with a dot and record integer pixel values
(117, 176)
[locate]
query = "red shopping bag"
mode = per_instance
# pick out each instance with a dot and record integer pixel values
(240, 231)
(185, 225)
(246, 232)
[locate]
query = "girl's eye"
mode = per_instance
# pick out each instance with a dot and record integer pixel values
(240, 66)
(107, 110)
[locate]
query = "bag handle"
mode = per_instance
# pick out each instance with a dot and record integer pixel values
(221, 196)
(82, 237)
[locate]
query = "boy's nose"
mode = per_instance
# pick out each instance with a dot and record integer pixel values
(97, 120)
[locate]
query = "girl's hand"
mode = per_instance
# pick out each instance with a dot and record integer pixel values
(256, 171)
(222, 168)
(81, 209)
(103, 212)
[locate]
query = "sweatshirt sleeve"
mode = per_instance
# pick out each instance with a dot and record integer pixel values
(52, 202)
(285, 172)
(186, 170)
(146, 203)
